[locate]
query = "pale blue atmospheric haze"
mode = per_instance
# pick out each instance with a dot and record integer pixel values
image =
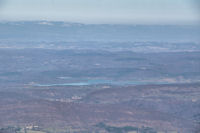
(102, 11)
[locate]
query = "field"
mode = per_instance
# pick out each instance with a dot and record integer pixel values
(99, 78)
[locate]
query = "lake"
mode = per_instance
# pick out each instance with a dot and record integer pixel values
(101, 82)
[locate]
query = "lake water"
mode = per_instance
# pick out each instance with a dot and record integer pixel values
(101, 82)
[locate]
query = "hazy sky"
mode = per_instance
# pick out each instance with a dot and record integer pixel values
(103, 11)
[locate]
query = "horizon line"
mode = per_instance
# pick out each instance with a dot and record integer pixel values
(84, 23)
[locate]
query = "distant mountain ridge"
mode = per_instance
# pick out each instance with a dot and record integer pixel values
(65, 31)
